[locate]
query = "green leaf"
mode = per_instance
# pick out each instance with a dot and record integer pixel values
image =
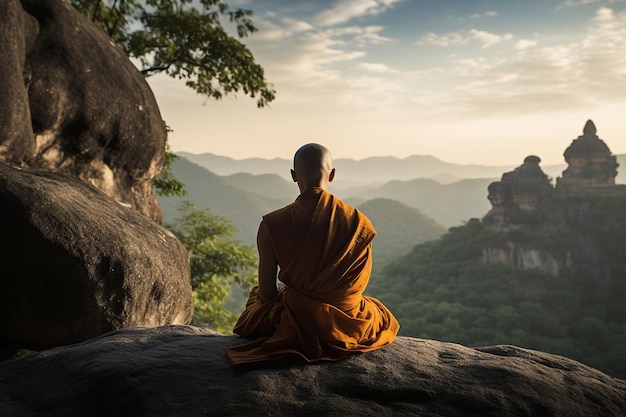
(217, 261)
(185, 40)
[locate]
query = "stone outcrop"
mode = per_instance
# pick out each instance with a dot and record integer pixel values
(590, 162)
(76, 264)
(525, 200)
(523, 197)
(520, 197)
(182, 371)
(518, 256)
(72, 102)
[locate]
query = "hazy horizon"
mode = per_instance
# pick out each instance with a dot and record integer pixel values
(382, 156)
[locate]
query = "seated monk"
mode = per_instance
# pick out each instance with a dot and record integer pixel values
(320, 248)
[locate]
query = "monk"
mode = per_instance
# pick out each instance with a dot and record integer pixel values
(318, 249)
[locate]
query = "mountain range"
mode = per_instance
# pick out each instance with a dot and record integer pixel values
(244, 198)
(244, 190)
(368, 171)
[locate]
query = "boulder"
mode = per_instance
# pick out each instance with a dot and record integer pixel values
(182, 371)
(76, 264)
(72, 102)
(521, 198)
(590, 163)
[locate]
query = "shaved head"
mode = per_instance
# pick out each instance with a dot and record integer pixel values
(312, 166)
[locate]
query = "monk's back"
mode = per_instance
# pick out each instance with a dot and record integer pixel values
(320, 248)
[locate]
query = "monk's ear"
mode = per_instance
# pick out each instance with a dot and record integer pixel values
(293, 175)
(331, 176)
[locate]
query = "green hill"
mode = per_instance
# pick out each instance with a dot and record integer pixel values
(444, 290)
(265, 184)
(243, 198)
(399, 227)
(241, 206)
(449, 204)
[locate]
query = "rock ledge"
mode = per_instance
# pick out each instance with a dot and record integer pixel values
(182, 371)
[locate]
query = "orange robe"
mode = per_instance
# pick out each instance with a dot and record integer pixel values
(324, 253)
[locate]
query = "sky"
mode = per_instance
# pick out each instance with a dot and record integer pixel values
(466, 81)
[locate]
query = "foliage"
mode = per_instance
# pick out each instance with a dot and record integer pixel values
(218, 262)
(185, 39)
(243, 208)
(399, 227)
(165, 183)
(441, 289)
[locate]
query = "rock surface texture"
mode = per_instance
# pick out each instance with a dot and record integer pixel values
(72, 102)
(590, 162)
(524, 199)
(182, 371)
(76, 264)
(519, 198)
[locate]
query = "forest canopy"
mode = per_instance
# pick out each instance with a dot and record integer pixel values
(442, 290)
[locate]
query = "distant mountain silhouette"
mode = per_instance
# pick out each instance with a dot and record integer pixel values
(449, 204)
(223, 165)
(241, 206)
(244, 196)
(270, 185)
(378, 170)
(399, 227)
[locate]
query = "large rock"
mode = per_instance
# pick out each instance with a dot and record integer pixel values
(520, 198)
(590, 162)
(76, 264)
(182, 371)
(72, 102)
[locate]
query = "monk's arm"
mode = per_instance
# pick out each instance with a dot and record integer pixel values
(267, 265)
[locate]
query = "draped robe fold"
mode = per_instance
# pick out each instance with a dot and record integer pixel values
(325, 261)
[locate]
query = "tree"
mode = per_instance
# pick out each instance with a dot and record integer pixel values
(165, 183)
(218, 262)
(185, 39)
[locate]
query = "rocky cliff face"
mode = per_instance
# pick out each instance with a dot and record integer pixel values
(590, 162)
(71, 102)
(520, 198)
(570, 213)
(521, 257)
(182, 371)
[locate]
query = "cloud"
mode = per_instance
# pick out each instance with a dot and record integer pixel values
(360, 35)
(525, 44)
(304, 62)
(486, 39)
(583, 73)
(604, 14)
(293, 25)
(377, 68)
(490, 13)
(576, 3)
(445, 40)
(330, 65)
(345, 10)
